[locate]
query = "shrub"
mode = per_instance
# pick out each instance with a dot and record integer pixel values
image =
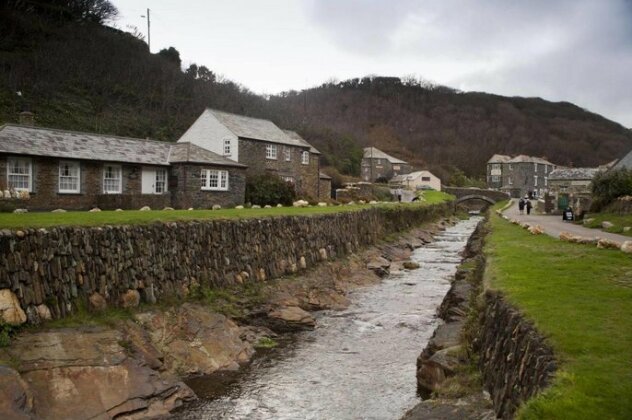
(269, 189)
(607, 186)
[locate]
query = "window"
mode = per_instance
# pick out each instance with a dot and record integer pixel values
(226, 147)
(535, 166)
(546, 182)
(510, 167)
(305, 158)
(495, 178)
(288, 154)
(69, 177)
(396, 167)
(546, 169)
(495, 166)
(535, 180)
(161, 181)
(20, 174)
(379, 161)
(271, 151)
(212, 179)
(425, 178)
(509, 181)
(112, 179)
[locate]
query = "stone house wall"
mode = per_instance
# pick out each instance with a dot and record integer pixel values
(372, 169)
(253, 154)
(63, 267)
(518, 179)
(324, 188)
(45, 193)
(186, 192)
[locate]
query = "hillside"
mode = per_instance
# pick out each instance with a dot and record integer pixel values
(78, 74)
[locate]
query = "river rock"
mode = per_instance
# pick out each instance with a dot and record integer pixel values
(10, 310)
(58, 211)
(536, 230)
(606, 224)
(434, 370)
(16, 400)
(97, 302)
(379, 265)
(321, 299)
(410, 265)
(194, 340)
(94, 210)
(130, 299)
(445, 336)
(290, 318)
(88, 365)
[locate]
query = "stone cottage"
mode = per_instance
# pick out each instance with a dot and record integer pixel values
(419, 180)
(520, 175)
(378, 165)
(570, 187)
(260, 145)
(76, 171)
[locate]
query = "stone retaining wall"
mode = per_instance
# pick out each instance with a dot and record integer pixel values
(515, 361)
(51, 271)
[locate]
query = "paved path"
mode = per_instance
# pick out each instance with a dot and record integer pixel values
(553, 225)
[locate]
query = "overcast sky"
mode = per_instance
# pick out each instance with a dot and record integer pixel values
(561, 50)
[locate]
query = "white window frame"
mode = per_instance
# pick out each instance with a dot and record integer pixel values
(509, 181)
(305, 157)
(15, 161)
(535, 180)
(73, 178)
(288, 153)
(218, 182)
(161, 177)
(118, 169)
(495, 166)
(227, 147)
(271, 151)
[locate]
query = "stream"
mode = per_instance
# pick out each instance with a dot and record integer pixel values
(358, 363)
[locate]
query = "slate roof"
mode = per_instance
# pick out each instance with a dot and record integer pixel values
(573, 173)
(624, 162)
(189, 152)
(374, 153)
(294, 135)
(65, 144)
(255, 128)
(528, 159)
(499, 159)
(323, 175)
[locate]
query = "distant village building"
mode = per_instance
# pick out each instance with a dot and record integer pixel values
(520, 175)
(377, 165)
(570, 187)
(261, 146)
(419, 180)
(74, 170)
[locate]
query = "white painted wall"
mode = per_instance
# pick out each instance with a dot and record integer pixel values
(415, 181)
(209, 133)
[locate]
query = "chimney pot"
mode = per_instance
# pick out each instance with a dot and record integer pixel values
(27, 118)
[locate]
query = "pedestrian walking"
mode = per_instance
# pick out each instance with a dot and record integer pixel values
(521, 204)
(528, 206)
(399, 195)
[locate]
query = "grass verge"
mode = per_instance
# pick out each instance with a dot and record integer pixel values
(580, 297)
(130, 217)
(435, 197)
(618, 220)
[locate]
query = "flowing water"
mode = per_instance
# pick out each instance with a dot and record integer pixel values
(358, 363)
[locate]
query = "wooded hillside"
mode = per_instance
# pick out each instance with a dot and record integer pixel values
(75, 73)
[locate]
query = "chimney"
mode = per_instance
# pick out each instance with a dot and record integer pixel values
(27, 118)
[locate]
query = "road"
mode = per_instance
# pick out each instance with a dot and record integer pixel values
(553, 225)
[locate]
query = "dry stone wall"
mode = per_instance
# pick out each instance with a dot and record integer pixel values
(515, 361)
(52, 271)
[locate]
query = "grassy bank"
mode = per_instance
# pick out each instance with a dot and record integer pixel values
(580, 297)
(618, 220)
(129, 217)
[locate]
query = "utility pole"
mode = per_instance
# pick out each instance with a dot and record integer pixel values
(148, 29)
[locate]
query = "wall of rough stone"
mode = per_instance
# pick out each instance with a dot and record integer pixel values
(515, 361)
(55, 270)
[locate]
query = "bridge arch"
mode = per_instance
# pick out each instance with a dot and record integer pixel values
(475, 197)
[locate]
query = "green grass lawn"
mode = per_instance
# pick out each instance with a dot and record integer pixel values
(434, 197)
(580, 297)
(619, 220)
(128, 217)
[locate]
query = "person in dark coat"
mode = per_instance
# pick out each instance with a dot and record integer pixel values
(528, 206)
(521, 204)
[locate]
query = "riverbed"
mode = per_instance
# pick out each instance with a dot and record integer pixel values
(358, 363)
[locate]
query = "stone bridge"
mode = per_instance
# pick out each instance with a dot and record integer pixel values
(466, 194)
